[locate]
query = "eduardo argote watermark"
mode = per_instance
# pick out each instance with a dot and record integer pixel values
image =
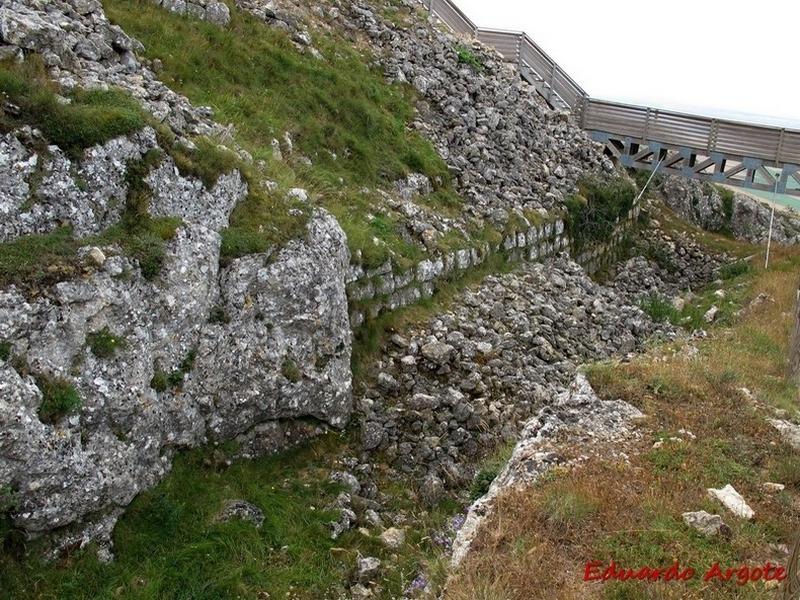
(742, 574)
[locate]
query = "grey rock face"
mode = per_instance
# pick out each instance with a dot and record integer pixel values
(283, 351)
(292, 340)
(748, 218)
(89, 196)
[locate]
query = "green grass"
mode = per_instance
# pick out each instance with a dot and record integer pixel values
(565, 508)
(660, 309)
(104, 343)
(59, 398)
(467, 57)
(733, 270)
(86, 118)
(341, 114)
(163, 381)
(489, 471)
(593, 213)
(169, 544)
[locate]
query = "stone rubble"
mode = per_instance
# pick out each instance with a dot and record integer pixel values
(446, 394)
(733, 501)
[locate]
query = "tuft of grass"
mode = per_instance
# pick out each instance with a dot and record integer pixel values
(786, 470)
(160, 381)
(727, 196)
(733, 270)
(104, 343)
(163, 381)
(565, 508)
(489, 471)
(59, 398)
(290, 370)
(467, 57)
(81, 119)
(660, 309)
(5, 351)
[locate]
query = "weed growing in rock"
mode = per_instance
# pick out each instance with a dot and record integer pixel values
(104, 343)
(593, 213)
(59, 398)
(290, 370)
(467, 57)
(163, 381)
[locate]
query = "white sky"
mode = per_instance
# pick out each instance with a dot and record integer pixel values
(717, 58)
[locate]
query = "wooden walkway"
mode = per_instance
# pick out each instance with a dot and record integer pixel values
(718, 150)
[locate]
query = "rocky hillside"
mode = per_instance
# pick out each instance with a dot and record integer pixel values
(235, 226)
(129, 329)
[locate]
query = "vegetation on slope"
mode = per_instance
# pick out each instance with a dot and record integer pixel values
(169, 543)
(593, 213)
(630, 511)
(340, 114)
(76, 121)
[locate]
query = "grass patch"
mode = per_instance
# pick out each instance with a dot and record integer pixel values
(467, 57)
(489, 471)
(81, 119)
(660, 309)
(593, 213)
(290, 370)
(565, 508)
(170, 545)
(59, 398)
(340, 112)
(734, 270)
(104, 343)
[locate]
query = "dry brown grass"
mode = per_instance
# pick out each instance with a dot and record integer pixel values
(524, 552)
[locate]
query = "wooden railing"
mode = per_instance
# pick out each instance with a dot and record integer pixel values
(775, 145)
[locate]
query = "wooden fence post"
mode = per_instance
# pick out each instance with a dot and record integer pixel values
(794, 348)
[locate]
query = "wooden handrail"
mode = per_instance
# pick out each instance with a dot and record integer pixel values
(774, 144)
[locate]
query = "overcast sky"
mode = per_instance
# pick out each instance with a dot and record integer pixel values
(714, 58)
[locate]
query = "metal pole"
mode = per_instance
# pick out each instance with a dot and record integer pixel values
(771, 221)
(649, 179)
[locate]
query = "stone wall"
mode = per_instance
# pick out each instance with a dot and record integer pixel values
(386, 288)
(376, 291)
